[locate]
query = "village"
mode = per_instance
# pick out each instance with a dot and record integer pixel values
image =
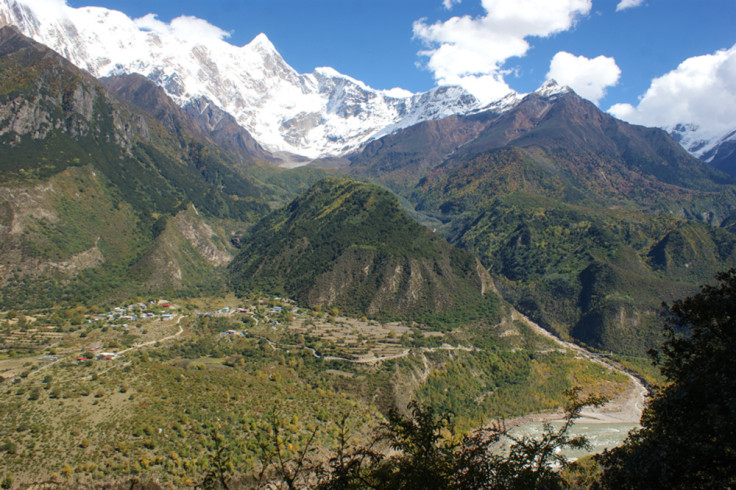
(21, 333)
(31, 342)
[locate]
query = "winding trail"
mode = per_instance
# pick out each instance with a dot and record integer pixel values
(626, 408)
(371, 360)
(41, 368)
(151, 342)
(363, 360)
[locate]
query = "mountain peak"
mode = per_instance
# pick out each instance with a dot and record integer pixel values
(551, 87)
(349, 244)
(262, 43)
(328, 71)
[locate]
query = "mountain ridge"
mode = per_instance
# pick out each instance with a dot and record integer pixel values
(586, 223)
(297, 117)
(722, 154)
(519, 177)
(204, 122)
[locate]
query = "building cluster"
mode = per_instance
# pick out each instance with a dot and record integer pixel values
(154, 309)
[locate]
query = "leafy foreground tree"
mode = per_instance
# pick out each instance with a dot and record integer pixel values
(688, 438)
(219, 469)
(426, 456)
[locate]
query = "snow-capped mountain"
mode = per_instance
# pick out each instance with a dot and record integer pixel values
(697, 142)
(316, 114)
(718, 149)
(721, 153)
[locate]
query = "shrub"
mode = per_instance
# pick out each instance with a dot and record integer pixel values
(7, 482)
(9, 447)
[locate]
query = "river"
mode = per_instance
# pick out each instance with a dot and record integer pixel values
(601, 436)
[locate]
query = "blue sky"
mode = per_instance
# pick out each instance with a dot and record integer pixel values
(612, 49)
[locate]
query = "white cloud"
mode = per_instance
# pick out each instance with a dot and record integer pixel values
(627, 4)
(184, 27)
(450, 3)
(151, 23)
(398, 93)
(701, 91)
(470, 50)
(588, 77)
(487, 88)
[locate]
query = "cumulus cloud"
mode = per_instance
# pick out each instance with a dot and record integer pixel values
(471, 51)
(701, 91)
(185, 27)
(588, 77)
(486, 88)
(627, 4)
(398, 93)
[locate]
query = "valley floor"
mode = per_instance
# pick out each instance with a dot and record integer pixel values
(146, 407)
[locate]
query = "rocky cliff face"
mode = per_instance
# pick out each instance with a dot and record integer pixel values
(203, 238)
(43, 95)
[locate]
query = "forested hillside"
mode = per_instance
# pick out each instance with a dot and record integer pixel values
(350, 245)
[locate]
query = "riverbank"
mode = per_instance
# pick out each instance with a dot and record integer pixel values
(624, 409)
